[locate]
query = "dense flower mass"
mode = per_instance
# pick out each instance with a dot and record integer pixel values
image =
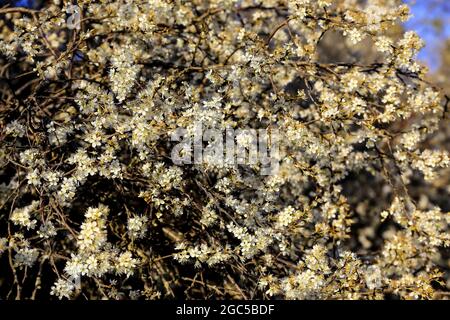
(93, 206)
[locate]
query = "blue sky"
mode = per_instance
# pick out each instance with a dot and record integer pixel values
(24, 3)
(425, 11)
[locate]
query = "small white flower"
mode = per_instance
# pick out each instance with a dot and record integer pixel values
(126, 264)
(62, 289)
